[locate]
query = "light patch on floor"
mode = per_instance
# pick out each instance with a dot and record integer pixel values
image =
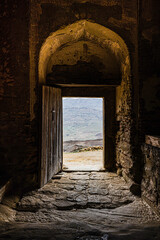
(84, 161)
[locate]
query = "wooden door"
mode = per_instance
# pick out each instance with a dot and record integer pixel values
(51, 149)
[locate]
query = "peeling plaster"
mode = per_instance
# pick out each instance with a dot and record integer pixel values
(82, 30)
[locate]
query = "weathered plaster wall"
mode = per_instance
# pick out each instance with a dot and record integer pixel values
(17, 150)
(89, 53)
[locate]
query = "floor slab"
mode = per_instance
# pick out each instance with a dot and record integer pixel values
(84, 206)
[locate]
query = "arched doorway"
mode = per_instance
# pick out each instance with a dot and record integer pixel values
(83, 59)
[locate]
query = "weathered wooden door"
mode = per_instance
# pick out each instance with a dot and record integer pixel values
(51, 149)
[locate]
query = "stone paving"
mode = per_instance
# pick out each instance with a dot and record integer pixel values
(79, 190)
(84, 206)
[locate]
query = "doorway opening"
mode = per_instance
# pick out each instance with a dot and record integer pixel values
(93, 63)
(83, 134)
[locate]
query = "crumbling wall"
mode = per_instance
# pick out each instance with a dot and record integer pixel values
(151, 175)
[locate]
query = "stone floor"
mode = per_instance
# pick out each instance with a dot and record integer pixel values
(82, 206)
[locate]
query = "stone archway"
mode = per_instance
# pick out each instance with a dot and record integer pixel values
(114, 47)
(91, 32)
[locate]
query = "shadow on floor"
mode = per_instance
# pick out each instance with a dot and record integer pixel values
(77, 231)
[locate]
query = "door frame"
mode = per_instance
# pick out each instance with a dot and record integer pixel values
(108, 93)
(109, 118)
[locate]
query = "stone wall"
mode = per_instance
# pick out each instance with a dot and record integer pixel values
(151, 174)
(17, 137)
(30, 26)
(25, 25)
(120, 17)
(149, 70)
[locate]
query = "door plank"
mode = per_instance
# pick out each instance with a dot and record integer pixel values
(51, 157)
(49, 166)
(59, 111)
(44, 152)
